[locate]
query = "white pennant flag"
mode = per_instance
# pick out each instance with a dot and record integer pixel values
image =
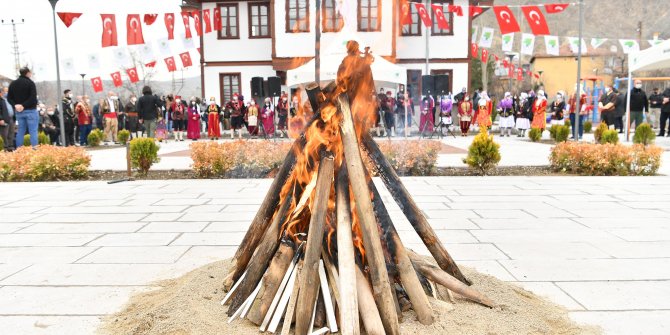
(597, 42)
(629, 46)
(552, 45)
(147, 52)
(94, 61)
(486, 40)
(527, 44)
(508, 42)
(574, 45)
(121, 57)
(188, 43)
(655, 42)
(68, 66)
(164, 47)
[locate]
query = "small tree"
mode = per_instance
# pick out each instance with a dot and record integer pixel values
(588, 126)
(483, 153)
(42, 138)
(535, 134)
(598, 133)
(609, 136)
(644, 135)
(95, 138)
(123, 136)
(143, 154)
(562, 134)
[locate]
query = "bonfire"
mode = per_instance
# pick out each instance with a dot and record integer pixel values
(322, 253)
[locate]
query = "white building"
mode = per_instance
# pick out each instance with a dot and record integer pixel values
(267, 38)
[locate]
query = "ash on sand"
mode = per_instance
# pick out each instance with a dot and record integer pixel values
(191, 305)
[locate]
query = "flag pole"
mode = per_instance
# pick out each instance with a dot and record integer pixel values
(61, 121)
(578, 94)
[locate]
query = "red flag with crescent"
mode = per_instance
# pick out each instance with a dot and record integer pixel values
(537, 76)
(475, 50)
(496, 58)
(456, 9)
(169, 25)
(134, 29)
(439, 16)
(423, 14)
(476, 11)
(506, 20)
(197, 19)
(556, 8)
(512, 70)
(505, 63)
(208, 22)
(68, 18)
(485, 56)
(536, 20)
(149, 19)
(150, 64)
(217, 19)
(186, 59)
(519, 74)
(109, 30)
(132, 75)
(405, 13)
(187, 25)
(116, 78)
(97, 84)
(171, 65)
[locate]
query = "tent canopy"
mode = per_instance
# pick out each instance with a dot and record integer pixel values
(383, 71)
(654, 58)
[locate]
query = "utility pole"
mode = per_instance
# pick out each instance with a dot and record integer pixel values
(15, 43)
(578, 95)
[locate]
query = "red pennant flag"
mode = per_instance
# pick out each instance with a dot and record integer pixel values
(68, 18)
(496, 58)
(536, 20)
(537, 76)
(439, 16)
(530, 73)
(512, 70)
(506, 20)
(198, 22)
(423, 14)
(116, 78)
(556, 8)
(169, 25)
(475, 50)
(485, 56)
(172, 67)
(505, 63)
(186, 59)
(187, 25)
(149, 19)
(208, 21)
(199, 51)
(458, 10)
(519, 75)
(97, 84)
(476, 11)
(134, 29)
(405, 13)
(109, 30)
(132, 75)
(217, 19)
(150, 64)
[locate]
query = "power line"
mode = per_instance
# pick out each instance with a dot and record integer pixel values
(15, 42)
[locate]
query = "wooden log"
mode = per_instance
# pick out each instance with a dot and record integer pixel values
(320, 319)
(309, 281)
(313, 91)
(332, 276)
(435, 274)
(381, 287)
(293, 300)
(411, 210)
(259, 263)
(367, 307)
(348, 303)
(408, 277)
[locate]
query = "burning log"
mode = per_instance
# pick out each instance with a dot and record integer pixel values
(309, 277)
(373, 249)
(411, 210)
(366, 305)
(293, 299)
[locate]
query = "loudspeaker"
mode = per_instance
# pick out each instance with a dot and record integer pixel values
(274, 86)
(257, 87)
(427, 85)
(442, 84)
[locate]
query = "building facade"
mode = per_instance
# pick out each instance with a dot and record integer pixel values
(268, 38)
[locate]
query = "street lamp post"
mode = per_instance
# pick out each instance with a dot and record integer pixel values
(83, 88)
(61, 121)
(578, 94)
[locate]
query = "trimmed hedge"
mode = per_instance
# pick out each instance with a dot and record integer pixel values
(605, 159)
(46, 163)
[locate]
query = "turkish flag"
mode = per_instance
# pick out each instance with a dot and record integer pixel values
(556, 8)
(134, 29)
(172, 67)
(198, 22)
(186, 59)
(423, 14)
(187, 25)
(132, 75)
(68, 18)
(485, 56)
(537, 76)
(505, 63)
(97, 84)
(169, 25)
(217, 19)
(536, 20)
(439, 16)
(506, 20)
(149, 19)
(207, 20)
(519, 74)
(109, 30)
(476, 11)
(475, 50)
(150, 64)
(405, 13)
(458, 10)
(116, 78)
(512, 70)
(496, 58)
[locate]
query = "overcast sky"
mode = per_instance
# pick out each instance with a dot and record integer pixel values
(83, 38)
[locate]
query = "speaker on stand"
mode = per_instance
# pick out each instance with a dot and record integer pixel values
(274, 92)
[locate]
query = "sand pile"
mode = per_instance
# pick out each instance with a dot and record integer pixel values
(191, 305)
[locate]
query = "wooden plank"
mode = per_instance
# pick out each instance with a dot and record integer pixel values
(367, 307)
(293, 300)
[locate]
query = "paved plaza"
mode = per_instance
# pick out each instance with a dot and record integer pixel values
(71, 252)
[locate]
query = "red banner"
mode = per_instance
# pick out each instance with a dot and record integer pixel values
(132, 75)
(134, 29)
(439, 16)
(197, 19)
(97, 84)
(116, 78)
(217, 19)
(109, 30)
(172, 67)
(506, 20)
(556, 8)
(458, 10)
(68, 18)
(186, 59)
(169, 25)
(207, 20)
(149, 19)
(405, 13)
(423, 14)
(185, 16)
(536, 20)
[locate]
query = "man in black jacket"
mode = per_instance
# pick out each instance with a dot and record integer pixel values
(655, 103)
(23, 96)
(69, 117)
(665, 112)
(638, 105)
(147, 109)
(5, 121)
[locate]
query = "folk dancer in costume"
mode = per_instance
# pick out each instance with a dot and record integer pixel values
(251, 118)
(193, 125)
(539, 112)
(465, 115)
(85, 120)
(446, 105)
(213, 124)
(506, 113)
(558, 108)
(268, 118)
(523, 111)
(426, 121)
(226, 111)
(236, 116)
(389, 113)
(110, 107)
(178, 115)
(132, 118)
(484, 111)
(282, 113)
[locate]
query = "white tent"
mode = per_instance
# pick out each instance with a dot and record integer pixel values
(384, 72)
(655, 58)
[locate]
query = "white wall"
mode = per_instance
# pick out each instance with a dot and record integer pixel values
(212, 87)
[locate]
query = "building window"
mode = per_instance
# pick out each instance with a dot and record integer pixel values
(259, 20)
(369, 15)
(297, 16)
(332, 20)
(229, 22)
(447, 15)
(414, 85)
(414, 28)
(229, 84)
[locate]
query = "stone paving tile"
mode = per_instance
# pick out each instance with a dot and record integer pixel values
(449, 224)
(42, 325)
(135, 255)
(503, 213)
(229, 226)
(648, 235)
(452, 236)
(179, 202)
(552, 292)
(74, 228)
(543, 235)
(624, 222)
(620, 295)
(492, 268)
(528, 223)
(502, 205)
(90, 274)
(163, 217)
(174, 227)
(43, 255)
(224, 239)
(6, 228)
(19, 217)
(134, 239)
(7, 270)
(550, 250)
(84, 218)
(223, 216)
(45, 240)
(627, 323)
(451, 214)
(474, 252)
(22, 210)
(549, 213)
(236, 201)
(114, 209)
(201, 255)
(635, 249)
(622, 212)
(589, 270)
(205, 209)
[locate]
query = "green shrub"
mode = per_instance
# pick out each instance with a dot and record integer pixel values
(644, 134)
(412, 158)
(483, 153)
(568, 123)
(598, 133)
(552, 131)
(535, 134)
(123, 136)
(42, 138)
(47, 163)
(143, 154)
(605, 159)
(95, 137)
(610, 136)
(588, 126)
(562, 133)
(2, 144)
